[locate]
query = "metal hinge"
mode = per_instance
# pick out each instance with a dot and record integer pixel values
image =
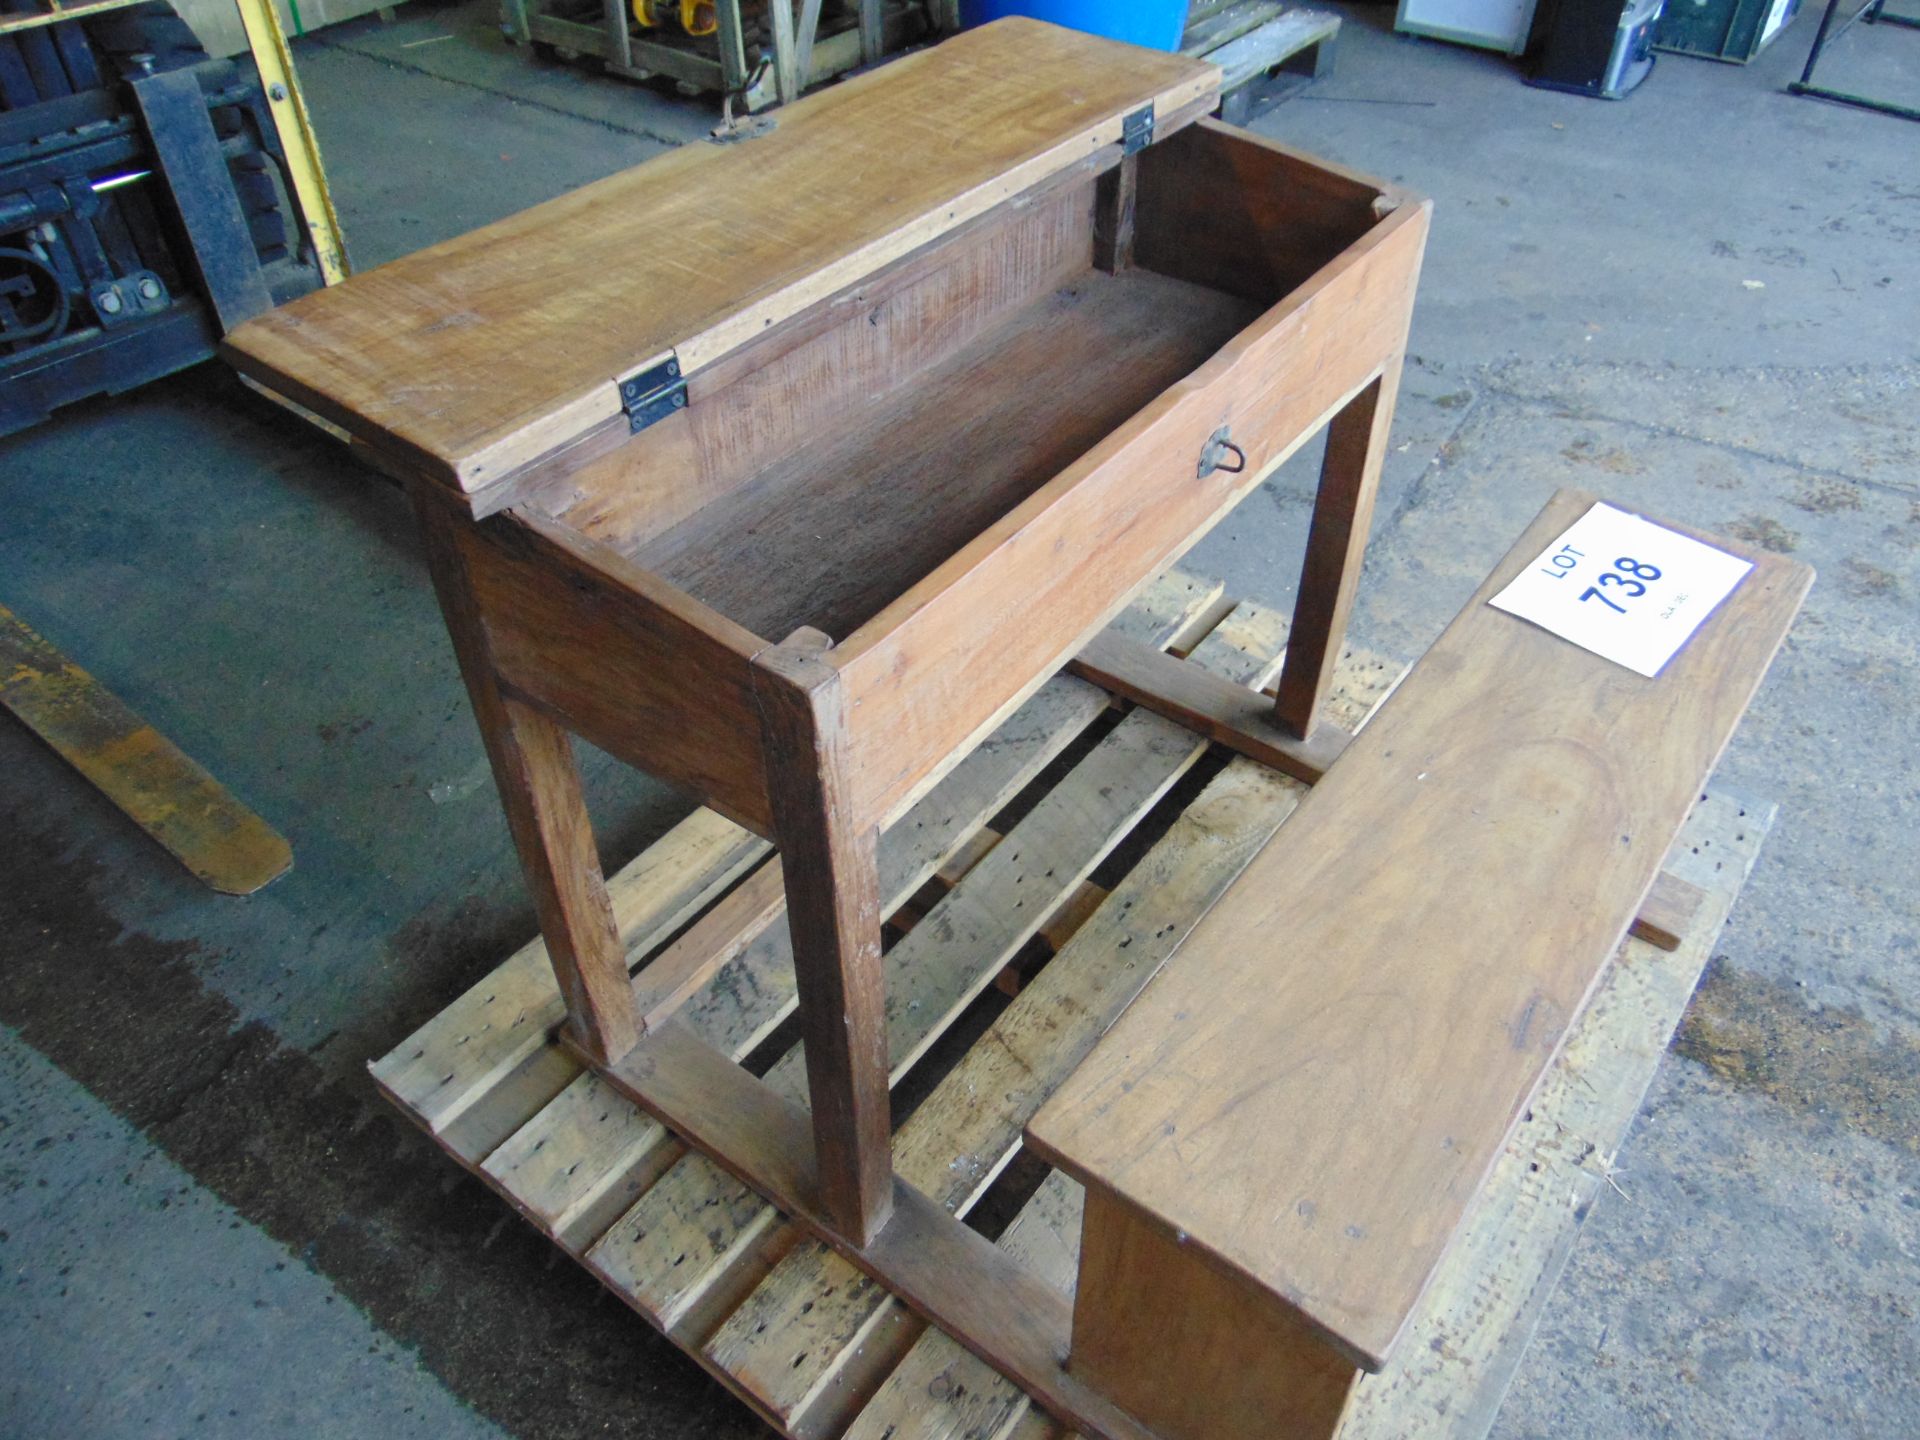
(653, 394)
(1136, 131)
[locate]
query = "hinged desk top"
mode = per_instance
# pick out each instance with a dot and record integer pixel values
(466, 360)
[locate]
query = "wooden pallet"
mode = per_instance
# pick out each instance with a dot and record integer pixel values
(813, 1346)
(1258, 41)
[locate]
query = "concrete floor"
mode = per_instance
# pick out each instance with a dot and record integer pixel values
(1703, 301)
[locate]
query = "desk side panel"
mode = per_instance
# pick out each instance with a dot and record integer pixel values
(1237, 212)
(621, 658)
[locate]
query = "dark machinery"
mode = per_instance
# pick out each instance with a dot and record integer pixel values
(1593, 47)
(1873, 12)
(146, 206)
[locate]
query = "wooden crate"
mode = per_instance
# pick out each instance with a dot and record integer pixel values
(990, 868)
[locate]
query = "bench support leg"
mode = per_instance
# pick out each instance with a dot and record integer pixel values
(539, 783)
(833, 913)
(1336, 544)
(1189, 1352)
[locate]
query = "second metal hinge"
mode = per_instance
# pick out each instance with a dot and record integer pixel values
(1136, 131)
(653, 394)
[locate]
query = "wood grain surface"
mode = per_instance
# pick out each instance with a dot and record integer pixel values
(472, 357)
(851, 516)
(804, 378)
(830, 863)
(1185, 1347)
(539, 783)
(1314, 1103)
(1227, 714)
(623, 659)
(950, 655)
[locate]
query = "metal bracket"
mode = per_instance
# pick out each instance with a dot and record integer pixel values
(128, 298)
(173, 108)
(1136, 131)
(653, 394)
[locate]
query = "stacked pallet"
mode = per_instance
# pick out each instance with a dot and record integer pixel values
(1254, 40)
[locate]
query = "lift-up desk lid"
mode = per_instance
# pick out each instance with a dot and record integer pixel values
(467, 360)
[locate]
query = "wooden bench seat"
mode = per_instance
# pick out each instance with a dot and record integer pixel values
(1280, 1138)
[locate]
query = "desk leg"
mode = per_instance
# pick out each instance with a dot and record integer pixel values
(1336, 545)
(833, 913)
(539, 782)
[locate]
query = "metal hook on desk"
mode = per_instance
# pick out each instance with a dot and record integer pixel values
(1213, 455)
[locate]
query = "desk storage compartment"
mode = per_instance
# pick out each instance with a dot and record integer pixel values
(1039, 410)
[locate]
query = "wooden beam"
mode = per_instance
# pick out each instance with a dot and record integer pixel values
(539, 783)
(947, 1272)
(1668, 911)
(1236, 717)
(1336, 546)
(833, 899)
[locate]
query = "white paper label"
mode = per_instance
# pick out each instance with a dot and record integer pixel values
(1624, 588)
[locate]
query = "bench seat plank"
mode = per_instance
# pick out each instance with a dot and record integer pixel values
(1315, 1087)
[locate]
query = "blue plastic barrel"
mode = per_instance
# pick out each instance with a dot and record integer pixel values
(1156, 24)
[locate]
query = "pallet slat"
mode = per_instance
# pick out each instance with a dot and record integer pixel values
(462, 1055)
